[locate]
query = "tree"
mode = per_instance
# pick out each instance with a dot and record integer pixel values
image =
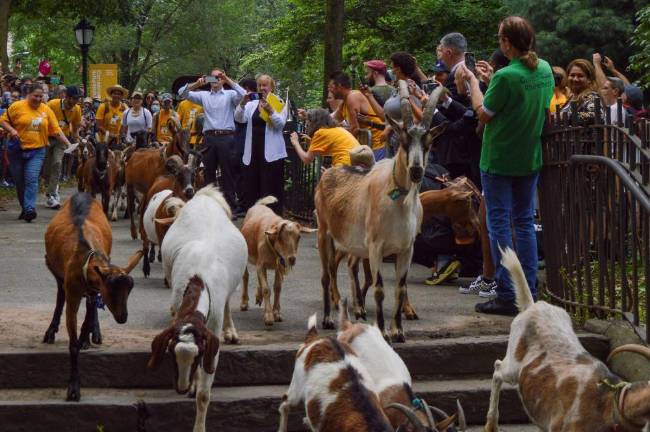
(5, 9)
(333, 55)
(641, 41)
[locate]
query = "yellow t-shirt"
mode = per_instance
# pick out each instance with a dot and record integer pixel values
(188, 111)
(336, 142)
(162, 131)
(377, 143)
(73, 116)
(33, 125)
(557, 100)
(112, 121)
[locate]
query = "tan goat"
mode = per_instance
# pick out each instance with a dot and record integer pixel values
(562, 387)
(272, 245)
(375, 213)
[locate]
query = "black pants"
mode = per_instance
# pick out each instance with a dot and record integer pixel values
(218, 154)
(262, 178)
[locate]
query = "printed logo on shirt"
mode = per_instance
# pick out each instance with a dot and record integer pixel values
(164, 130)
(36, 124)
(114, 119)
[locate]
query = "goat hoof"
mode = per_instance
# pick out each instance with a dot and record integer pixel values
(277, 317)
(73, 393)
(114, 218)
(258, 301)
(360, 313)
(243, 307)
(328, 323)
(268, 320)
(152, 256)
(231, 339)
(159, 256)
(386, 336)
(49, 336)
(84, 345)
(411, 315)
(398, 337)
(134, 235)
(97, 338)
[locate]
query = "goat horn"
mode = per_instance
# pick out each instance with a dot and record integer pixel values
(430, 108)
(410, 415)
(444, 424)
(405, 105)
(462, 421)
(427, 411)
(635, 348)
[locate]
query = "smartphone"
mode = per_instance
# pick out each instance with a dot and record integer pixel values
(253, 96)
(211, 79)
(470, 61)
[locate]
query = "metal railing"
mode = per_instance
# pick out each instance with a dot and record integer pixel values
(595, 208)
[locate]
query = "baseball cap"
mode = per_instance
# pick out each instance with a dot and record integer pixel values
(377, 65)
(73, 91)
(439, 67)
(166, 96)
(634, 96)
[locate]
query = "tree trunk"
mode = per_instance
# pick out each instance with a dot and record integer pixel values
(5, 6)
(334, 22)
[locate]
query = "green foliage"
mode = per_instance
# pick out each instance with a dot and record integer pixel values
(641, 42)
(569, 29)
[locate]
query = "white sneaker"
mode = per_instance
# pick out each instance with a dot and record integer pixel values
(52, 202)
(481, 287)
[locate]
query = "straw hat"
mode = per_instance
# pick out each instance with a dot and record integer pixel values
(119, 88)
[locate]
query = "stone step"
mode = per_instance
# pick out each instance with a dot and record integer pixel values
(232, 408)
(253, 365)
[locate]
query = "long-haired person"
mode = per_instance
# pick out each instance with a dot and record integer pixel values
(514, 110)
(583, 87)
(29, 123)
(264, 148)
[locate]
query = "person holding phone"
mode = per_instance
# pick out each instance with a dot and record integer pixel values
(218, 127)
(265, 115)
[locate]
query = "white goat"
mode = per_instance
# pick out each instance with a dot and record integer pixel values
(204, 256)
(562, 387)
(392, 380)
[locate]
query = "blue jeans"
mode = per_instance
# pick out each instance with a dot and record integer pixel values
(25, 168)
(510, 204)
(379, 153)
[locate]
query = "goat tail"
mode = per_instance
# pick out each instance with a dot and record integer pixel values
(174, 205)
(312, 330)
(269, 199)
(344, 315)
(510, 261)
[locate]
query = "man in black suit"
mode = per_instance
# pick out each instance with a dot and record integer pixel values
(451, 51)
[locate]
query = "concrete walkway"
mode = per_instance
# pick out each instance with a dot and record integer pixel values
(28, 291)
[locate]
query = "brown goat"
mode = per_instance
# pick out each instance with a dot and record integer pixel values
(100, 173)
(146, 165)
(272, 245)
(78, 245)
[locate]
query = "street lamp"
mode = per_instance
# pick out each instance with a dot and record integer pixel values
(84, 33)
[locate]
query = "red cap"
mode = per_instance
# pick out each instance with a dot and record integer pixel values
(377, 65)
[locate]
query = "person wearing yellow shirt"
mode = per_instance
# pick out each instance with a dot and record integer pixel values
(109, 114)
(68, 114)
(326, 139)
(29, 123)
(188, 112)
(560, 91)
(161, 130)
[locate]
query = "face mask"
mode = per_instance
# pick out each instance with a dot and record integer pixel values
(155, 108)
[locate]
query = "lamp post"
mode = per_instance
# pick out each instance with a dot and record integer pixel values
(84, 33)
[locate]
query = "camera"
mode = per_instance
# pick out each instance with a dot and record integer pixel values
(470, 61)
(429, 86)
(211, 79)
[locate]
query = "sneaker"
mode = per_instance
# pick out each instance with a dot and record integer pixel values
(52, 202)
(481, 287)
(497, 307)
(448, 273)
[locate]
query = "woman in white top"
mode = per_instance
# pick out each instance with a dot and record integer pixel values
(264, 146)
(135, 119)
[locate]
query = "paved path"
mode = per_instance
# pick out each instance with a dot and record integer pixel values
(28, 290)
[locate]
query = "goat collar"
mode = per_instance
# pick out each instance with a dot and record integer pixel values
(398, 191)
(277, 254)
(620, 390)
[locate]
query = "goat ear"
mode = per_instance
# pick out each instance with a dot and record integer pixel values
(271, 231)
(397, 126)
(103, 272)
(159, 346)
(304, 229)
(165, 221)
(211, 350)
(133, 261)
(434, 133)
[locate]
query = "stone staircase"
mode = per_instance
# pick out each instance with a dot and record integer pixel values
(249, 383)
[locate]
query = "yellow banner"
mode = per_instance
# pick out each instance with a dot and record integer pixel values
(100, 78)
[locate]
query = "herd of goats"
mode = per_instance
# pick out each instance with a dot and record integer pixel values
(354, 380)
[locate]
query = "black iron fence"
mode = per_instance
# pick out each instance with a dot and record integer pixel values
(595, 209)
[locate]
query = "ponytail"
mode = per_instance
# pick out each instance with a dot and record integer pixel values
(530, 60)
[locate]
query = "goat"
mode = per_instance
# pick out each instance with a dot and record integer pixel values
(375, 213)
(118, 200)
(562, 387)
(162, 210)
(272, 245)
(334, 386)
(392, 379)
(145, 165)
(204, 256)
(100, 173)
(179, 179)
(78, 245)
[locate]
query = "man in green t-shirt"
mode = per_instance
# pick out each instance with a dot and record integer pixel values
(514, 111)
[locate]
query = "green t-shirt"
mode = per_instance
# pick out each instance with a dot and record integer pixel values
(517, 99)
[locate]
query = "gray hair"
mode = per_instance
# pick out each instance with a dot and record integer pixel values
(454, 41)
(318, 118)
(617, 84)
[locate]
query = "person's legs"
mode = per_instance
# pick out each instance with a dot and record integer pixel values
(32, 169)
(16, 165)
(224, 145)
(250, 184)
(210, 160)
(272, 182)
(55, 156)
(523, 210)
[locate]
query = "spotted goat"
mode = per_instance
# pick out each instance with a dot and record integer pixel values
(562, 387)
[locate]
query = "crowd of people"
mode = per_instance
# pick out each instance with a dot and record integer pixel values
(492, 113)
